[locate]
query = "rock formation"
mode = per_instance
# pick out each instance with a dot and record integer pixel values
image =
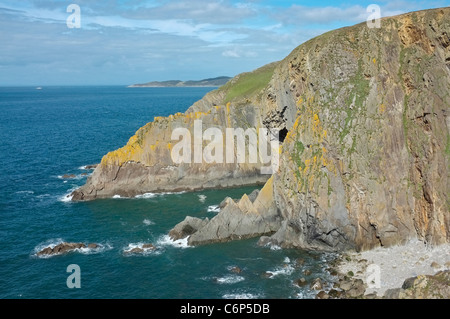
(63, 248)
(244, 219)
(364, 120)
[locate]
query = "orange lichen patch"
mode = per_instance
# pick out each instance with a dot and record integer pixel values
(130, 152)
(382, 108)
(374, 61)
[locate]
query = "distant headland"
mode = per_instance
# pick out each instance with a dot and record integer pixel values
(212, 82)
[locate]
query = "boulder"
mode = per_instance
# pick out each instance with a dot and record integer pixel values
(316, 284)
(301, 282)
(236, 270)
(62, 248)
(187, 227)
(322, 295)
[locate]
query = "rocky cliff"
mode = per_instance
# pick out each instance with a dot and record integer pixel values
(364, 121)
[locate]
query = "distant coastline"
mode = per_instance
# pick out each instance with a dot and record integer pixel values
(211, 82)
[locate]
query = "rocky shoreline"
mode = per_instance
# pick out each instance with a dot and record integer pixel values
(410, 271)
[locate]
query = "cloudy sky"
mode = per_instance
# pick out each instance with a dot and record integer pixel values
(122, 42)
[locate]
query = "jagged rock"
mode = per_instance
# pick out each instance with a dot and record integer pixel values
(148, 246)
(393, 293)
(317, 284)
(335, 294)
(243, 219)
(267, 274)
(299, 262)
(357, 289)
(307, 272)
(135, 250)
(322, 295)
(236, 270)
(435, 286)
(93, 246)
(253, 195)
(93, 166)
(301, 282)
(140, 250)
(69, 176)
(63, 248)
(346, 285)
(187, 227)
(435, 265)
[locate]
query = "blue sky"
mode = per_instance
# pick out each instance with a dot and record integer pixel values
(122, 42)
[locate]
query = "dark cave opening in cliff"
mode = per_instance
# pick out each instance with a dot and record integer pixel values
(282, 134)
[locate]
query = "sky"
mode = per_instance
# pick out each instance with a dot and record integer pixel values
(122, 42)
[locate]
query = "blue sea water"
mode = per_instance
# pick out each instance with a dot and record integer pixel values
(58, 130)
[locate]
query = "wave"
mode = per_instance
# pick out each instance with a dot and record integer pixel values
(152, 195)
(244, 295)
(146, 195)
(116, 196)
(139, 249)
(286, 270)
(230, 279)
(73, 176)
(25, 192)
(201, 198)
(66, 198)
(213, 209)
(165, 240)
(148, 222)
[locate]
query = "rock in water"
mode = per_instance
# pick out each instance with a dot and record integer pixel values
(187, 227)
(240, 220)
(63, 248)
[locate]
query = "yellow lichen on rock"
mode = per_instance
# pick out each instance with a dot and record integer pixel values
(130, 152)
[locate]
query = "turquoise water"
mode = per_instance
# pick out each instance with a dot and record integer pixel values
(55, 131)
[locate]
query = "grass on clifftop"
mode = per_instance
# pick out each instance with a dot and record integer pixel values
(248, 83)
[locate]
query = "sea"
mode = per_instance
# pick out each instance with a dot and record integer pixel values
(51, 132)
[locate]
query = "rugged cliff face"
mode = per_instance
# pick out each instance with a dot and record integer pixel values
(366, 161)
(366, 158)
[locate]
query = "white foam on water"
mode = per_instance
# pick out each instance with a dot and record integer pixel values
(285, 270)
(152, 195)
(230, 279)
(48, 243)
(117, 196)
(66, 198)
(244, 295)
(43, 196)
(274, 247)
(287, 260)
(25, 192)
(201, 198)
(214, 209)
(165, 240)
(146, 195)
(148, 222)
(145, 251)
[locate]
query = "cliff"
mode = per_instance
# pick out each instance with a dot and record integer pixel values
(364, 117)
